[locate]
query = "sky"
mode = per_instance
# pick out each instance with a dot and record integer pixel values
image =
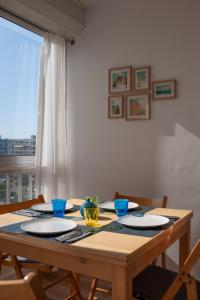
(19, 73)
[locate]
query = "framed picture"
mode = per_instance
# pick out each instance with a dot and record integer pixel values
(141, 79)
(120, 80)
(115, 107)
(137, 107)
(164, 89)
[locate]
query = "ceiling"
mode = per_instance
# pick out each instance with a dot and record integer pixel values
(91, 2)
(88, 3)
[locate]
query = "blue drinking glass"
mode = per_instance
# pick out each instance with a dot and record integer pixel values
(121, 207)
(58, 207)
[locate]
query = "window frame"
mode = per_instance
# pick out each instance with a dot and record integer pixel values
(21, 22)
(9, 163)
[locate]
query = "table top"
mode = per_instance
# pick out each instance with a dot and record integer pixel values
(119, 247)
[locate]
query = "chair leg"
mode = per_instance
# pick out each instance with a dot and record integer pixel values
(163, 259)
(17, 267)
(92, 289)
(77, 277)
(1, 259)
(154, 262)
(49, 285)
(75, 289)
(191, 289)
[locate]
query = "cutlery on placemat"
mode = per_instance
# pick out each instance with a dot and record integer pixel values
(72, 236)
(166, 216)
(171, 217)
(25, 212)
(33, 214)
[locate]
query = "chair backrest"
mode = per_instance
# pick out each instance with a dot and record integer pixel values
(22, 289)
(6, 208)
(143, 201)
(184, 277)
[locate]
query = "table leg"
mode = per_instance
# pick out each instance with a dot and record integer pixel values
(121, 284)
(184, 245)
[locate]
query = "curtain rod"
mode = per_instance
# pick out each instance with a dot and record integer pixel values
(27, 24)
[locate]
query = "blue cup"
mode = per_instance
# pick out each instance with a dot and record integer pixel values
(58, 207)
(121, 207)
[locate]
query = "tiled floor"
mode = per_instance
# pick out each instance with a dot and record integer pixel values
(61, 290)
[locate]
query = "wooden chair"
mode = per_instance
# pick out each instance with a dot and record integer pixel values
(11, 207)
(27, 288)
(162, 203)
(20, 263)
(22, 289)
(146, 202)
(156, 283)
(142, 202)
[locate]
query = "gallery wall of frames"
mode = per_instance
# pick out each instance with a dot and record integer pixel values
(131, 92)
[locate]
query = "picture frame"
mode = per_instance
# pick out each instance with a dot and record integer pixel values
(115, 107)
(141, 79)
(137, 107)
(164, 89)
(120, 80)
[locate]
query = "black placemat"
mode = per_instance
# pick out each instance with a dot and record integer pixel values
(114, 227)
(42, 215)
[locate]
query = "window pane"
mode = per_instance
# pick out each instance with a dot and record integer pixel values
(2, 189)
(19, 72)
(17, 187)
(13, 187)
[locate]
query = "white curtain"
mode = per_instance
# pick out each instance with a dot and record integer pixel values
(51, 145)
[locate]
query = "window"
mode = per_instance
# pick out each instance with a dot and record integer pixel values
(19, 74)
(19, 61)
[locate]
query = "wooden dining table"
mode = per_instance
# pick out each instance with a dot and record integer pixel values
(112, 256)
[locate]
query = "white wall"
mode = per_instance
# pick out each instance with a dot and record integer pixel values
(149, 158)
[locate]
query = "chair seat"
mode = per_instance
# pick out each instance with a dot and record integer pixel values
(26, 260)
(22, 259)
(153, 282)
(24, 263)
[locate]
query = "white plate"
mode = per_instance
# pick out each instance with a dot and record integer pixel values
(47, 207)
(48, 226)
(110, 205)
(146, 221)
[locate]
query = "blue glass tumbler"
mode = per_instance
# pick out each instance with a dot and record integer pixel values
(58, 207)
(121, 207)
